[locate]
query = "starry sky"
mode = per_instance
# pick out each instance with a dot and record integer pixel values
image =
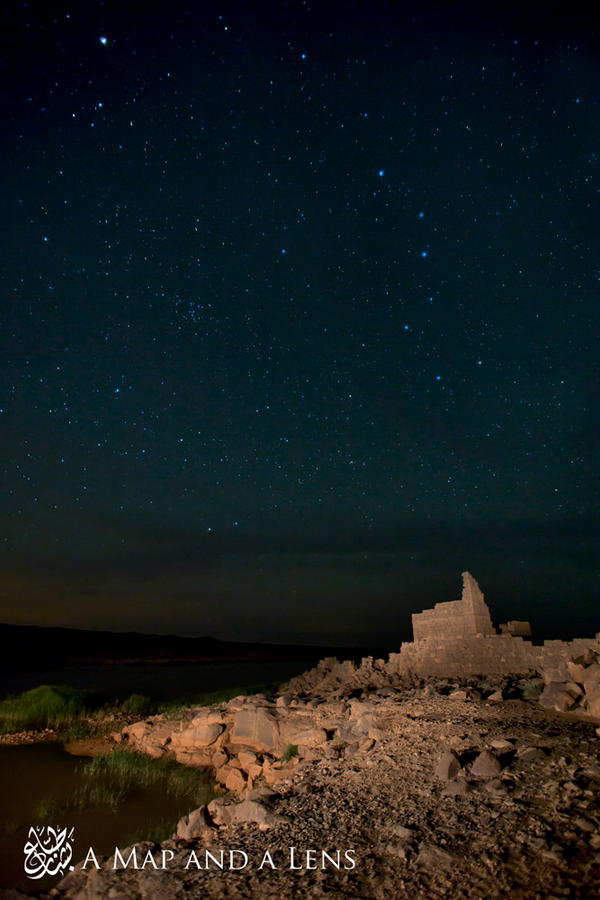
(299, 316)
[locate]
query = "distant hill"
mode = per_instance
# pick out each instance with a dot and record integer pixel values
(35, 647)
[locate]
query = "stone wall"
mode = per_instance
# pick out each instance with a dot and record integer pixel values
(456, 618)
(458, 638)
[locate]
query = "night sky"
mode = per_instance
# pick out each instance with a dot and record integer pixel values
(299, 316)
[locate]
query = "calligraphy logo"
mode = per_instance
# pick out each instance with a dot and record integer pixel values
(48, 851)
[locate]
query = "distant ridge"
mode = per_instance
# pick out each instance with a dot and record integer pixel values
(37, 647)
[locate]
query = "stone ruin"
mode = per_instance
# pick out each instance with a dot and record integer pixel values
(458, 638)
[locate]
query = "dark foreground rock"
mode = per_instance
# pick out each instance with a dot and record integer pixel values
(409, 794)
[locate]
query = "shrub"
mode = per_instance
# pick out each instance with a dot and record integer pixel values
(138, 705)
(47, 706)
(290, 751)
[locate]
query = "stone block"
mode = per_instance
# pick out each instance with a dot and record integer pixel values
(555, 696)
(255, 728)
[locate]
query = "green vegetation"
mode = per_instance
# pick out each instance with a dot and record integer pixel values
(47, 810)
(138, 705)
(158, 833)
(128, 771)
(78, 714)
(531, 690)
(290, 751)
(47, 706)
(109, 781)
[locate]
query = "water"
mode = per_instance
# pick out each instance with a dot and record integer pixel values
(36, 772)
(168, 681)
(30, 774)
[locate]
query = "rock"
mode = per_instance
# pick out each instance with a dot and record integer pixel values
(219, 759)
(306, 737)
(242, 813)
(256, 728)
(486, 765)
(190, 757)
(194, 824)
(576, 671)
(592, 698)
(501, 745)
(247, 759)
(584, 824)
(495, 786)
(459, 695)
(530, 754)
(235, 781)
(556, 673)
(138, 730)
(197, 735)
(431, 857)
(496, 697)
(457, 788)
(591, 677)
(447, 767)
(555, 696)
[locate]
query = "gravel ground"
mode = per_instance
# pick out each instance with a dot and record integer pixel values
(530, 830)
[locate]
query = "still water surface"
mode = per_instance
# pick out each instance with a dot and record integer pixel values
(36, 772)
(160, 681)
(30, 774)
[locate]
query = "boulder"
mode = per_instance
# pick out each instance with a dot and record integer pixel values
(530, 754)
(188, 756)
(301, 736)
(556, 673)
(138, 731)
(593, 701)
(555, 696)
(196, 823)
(235, 781)
(247, 811)
(255, 728)
(447, 767)
(591, 677)
(247, 759)
(201, 734)
(486, 765)
(576, 671)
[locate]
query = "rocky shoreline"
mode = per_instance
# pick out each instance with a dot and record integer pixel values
(408, 789)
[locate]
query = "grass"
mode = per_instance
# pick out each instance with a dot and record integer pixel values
(158, 833)
(109, 781)
(128, 771)
(290, 751)
(47, 810)
(47, 706)
(76, 713)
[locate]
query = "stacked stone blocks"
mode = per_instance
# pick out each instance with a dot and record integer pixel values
(458, 638)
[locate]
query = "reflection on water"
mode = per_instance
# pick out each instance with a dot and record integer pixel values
(37, 773)
(161, 682)
(31, 775)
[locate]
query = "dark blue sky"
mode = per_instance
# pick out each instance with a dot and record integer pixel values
(299, 316)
